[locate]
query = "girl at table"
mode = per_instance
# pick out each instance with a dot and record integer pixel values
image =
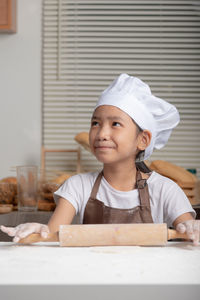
(128, 122)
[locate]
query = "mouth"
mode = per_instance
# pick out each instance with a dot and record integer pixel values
(103, 147)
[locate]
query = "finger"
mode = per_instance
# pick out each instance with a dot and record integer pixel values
(9, 230)
(16, 239)
(4, 228)
(44, 231)
(181, 228)
(25, 232)
(196, 229)
(36, 226)
(196, 240)
(190, 230)
(20, 235)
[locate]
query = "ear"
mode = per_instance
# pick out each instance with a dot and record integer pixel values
(144, 139)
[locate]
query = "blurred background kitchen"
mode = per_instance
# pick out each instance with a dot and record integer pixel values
(63, 53)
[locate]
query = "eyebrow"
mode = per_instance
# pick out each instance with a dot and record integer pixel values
(109, 118)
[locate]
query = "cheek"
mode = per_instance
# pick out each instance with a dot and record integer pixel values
(129, 137)
(129, 141)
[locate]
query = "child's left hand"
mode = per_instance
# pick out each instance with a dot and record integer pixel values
(192, 228)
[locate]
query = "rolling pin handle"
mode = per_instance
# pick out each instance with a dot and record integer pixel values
(36, 237)
(173, 234)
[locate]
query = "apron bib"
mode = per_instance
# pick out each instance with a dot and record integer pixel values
(96, 212)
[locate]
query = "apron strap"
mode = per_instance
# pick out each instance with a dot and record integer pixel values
(143, 190)
(96, 186)
(141, 185)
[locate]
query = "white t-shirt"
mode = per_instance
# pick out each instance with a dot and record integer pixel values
(167, 199)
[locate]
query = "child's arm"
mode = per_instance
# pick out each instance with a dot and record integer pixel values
(186, 223)
(63, 214)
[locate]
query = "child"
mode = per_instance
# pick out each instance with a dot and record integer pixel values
(127, 124)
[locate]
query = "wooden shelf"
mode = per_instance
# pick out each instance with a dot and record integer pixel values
(8, 16)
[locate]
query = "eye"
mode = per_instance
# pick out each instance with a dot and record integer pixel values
(116, 124)
(94, 123)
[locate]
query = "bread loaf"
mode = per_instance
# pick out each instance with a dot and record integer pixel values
(45, 206)
(15, 200)
(46, 196)
(83, 139)
(5, 208)
(48, 187)
(60, 179)
(8, 192)
(178, 174)
(9, 180)
(46, 190)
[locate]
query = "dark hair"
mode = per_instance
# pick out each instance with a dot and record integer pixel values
(143, 167)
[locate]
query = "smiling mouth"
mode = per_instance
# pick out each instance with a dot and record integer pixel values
(103, 147)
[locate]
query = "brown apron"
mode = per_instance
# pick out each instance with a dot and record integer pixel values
(96, 212)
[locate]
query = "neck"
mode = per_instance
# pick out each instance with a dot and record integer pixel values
(121, 176)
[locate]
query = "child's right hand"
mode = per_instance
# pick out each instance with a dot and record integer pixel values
(23, 230)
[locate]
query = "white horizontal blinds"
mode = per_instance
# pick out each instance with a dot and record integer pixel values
(86, 44)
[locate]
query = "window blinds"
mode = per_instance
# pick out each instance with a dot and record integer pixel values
(87, 43)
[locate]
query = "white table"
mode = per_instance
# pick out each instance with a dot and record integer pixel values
(104, 272)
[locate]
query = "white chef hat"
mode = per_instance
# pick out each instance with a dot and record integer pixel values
(134, 97)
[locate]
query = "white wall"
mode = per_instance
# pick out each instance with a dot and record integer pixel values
(20, 90)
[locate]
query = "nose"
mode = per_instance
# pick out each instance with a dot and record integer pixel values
(103, 133)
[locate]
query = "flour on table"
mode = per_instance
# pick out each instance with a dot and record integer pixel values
(115, 249)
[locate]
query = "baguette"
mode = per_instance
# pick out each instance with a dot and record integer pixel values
(178, 174)
(83, 139)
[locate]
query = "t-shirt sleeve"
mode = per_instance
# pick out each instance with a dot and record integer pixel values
(176, 203)
(71, 191)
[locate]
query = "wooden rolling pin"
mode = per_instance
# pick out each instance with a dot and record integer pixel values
(109, 235)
